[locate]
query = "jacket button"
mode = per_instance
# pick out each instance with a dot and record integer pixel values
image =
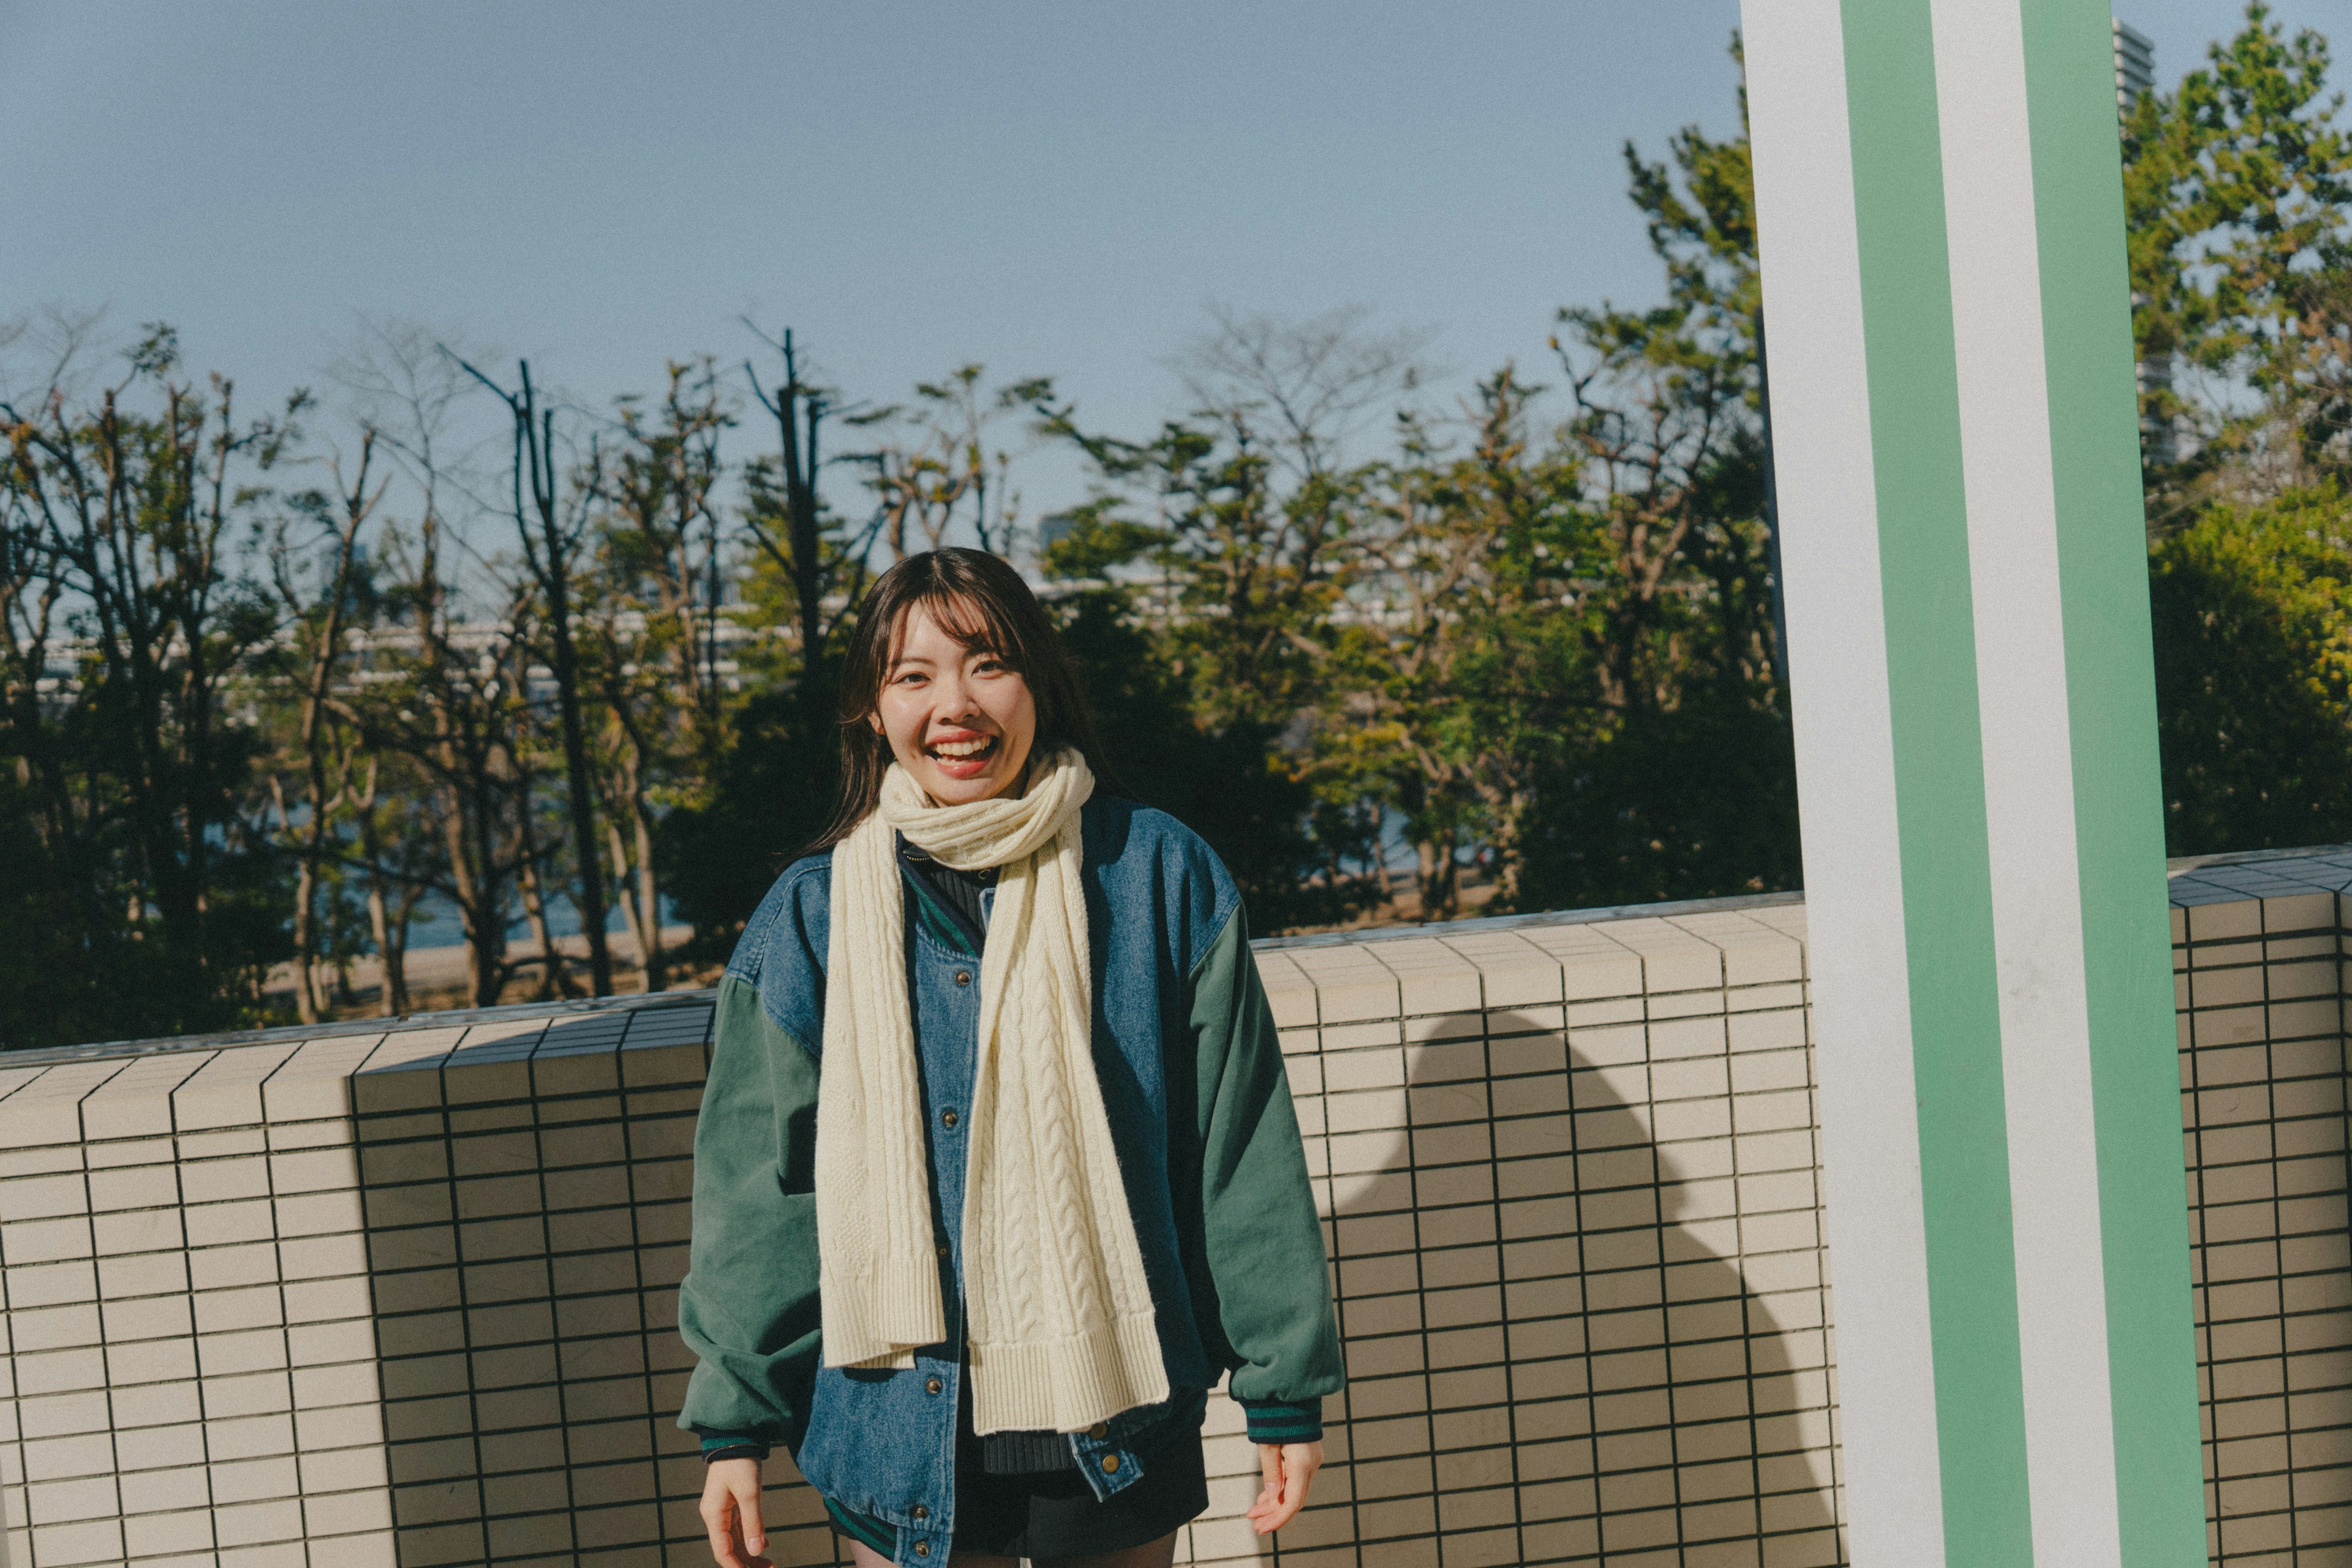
(943, 1249)
(947, 1118)
(932, 1386)
(1098, 1431)
(922, 1549)
(1110, 1464)
(963, 976)
(922, 1512)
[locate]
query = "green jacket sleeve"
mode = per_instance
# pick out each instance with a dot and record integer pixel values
(1261, 1236)
(748, 1308)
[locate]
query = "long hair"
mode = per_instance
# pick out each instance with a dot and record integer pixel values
(983, 604)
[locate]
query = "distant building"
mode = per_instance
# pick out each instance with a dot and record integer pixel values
(2135, 75)
(2135, 66)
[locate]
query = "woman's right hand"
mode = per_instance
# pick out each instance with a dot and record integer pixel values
(731, 1511)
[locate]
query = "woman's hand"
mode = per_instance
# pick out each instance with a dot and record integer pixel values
(731, 1511)
(1289, 1468)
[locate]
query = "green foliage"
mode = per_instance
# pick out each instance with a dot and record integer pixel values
(74, 968)
(773, 790)
(144, 897)
(2238, 188)
(1695, 802)
(2253, 639)
(1233, 785)
(1089, 542)
(1498, 637)
(1470, 660)
(1250, 569)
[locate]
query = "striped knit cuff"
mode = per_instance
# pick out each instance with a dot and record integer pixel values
(1273, 1421)
(871, 1533)
(732, 1446)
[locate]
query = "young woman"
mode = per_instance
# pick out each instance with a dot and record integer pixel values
(997, 1169)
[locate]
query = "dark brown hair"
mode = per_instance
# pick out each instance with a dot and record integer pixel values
(980, 601)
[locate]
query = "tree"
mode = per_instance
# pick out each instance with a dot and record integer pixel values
(1465, 666)
(128, 619)
(1688, 788)
(1234, 786)
(823, 571)
(2239, 190)
(1248, 508)
(316, 566)
(443, 700)
(1243, 519)
(930, 464)
(661, 561)
(2253, 642)
(552, 539)
(771, 786)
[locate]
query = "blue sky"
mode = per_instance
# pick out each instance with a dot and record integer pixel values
(1047, 188)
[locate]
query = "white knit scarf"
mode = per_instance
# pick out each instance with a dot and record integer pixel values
(1059, 1313)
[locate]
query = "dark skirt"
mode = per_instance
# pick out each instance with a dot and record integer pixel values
(1055, 1514)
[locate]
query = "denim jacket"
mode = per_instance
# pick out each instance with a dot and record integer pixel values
(1200, 1113)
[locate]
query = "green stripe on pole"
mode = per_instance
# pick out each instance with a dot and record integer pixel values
(1940, 213)
(1939, 779)
(2103, 576)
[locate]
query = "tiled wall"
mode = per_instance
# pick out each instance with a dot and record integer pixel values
(406, 1297)
(1576, 1242)
(364, 1300)
(2258, 972)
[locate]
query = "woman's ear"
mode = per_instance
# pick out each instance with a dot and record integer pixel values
(874, 720)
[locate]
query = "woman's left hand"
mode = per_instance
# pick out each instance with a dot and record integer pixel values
(1289, 1468)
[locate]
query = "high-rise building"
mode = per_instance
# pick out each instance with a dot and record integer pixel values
(2135, 75)
(2135, 65)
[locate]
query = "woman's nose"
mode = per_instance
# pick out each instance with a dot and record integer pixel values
(951, 698)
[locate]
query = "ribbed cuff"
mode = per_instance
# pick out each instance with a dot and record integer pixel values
(732, 1446)
(1273, 1421)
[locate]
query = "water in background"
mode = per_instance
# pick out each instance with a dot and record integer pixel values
(436, 923)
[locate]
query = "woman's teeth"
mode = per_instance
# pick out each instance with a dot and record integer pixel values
(963, 751)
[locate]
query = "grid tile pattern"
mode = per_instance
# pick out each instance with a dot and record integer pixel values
(1570, 1172)
(2260, 992)
(407, 1296)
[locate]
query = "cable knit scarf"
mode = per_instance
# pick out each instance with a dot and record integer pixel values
(1059, 1313)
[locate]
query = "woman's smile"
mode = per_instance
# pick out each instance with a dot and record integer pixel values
(963, 755)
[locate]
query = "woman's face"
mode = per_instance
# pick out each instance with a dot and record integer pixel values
(959, 720)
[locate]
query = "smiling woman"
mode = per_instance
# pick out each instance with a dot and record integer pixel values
(954, 672)
(959, 718)
(976, 1254)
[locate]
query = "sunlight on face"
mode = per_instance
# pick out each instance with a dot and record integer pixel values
(959, 720)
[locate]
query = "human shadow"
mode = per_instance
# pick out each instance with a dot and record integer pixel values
(1576, 1327)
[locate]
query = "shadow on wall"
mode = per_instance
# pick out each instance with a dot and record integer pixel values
(526, 1205)
(1558, 1332)
(1550, 1357)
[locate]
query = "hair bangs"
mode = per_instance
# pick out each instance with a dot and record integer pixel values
(976, 624)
